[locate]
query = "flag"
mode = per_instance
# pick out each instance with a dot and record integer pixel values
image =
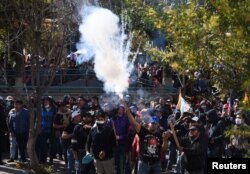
(183, 105)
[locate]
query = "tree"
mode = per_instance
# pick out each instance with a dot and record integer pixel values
(43, 28)
(212, 38)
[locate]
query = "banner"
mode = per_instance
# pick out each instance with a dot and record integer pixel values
(183, 105)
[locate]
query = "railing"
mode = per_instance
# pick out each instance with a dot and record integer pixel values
(89, 91)
(59, 88)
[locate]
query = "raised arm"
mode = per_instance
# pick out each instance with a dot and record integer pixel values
(132, 120)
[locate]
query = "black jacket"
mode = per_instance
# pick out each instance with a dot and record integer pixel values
(3, 124)
(104, 140)
(195, 152)
(215, 128)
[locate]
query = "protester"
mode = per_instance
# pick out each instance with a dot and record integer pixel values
(78, 141)
(238, 144)
(45, 139)
(81, 105)
(194, 150)
(101, 143)
(3, 128)
(9, 102)
(19, 123)
(152, 142)
(62, 119)
(67, 136)
(120, 125)
(137, 128)
(215, 129)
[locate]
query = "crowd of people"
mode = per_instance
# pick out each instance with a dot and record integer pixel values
(101, 136)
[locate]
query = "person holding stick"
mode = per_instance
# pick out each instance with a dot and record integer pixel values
(120, 125)
(194, 150)
(152, 142)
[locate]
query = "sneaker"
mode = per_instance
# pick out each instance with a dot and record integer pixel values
(10, 160)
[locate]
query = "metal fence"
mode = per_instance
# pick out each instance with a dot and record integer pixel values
(87, 84)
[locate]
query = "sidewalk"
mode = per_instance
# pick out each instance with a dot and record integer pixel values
(58, 166)
(9, 170)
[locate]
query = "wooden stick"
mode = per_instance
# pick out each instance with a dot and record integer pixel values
(174, 134)
(113, 125)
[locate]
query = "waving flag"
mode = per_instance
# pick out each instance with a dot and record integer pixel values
(183, 105)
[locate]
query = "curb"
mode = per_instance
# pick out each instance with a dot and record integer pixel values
(12, 170)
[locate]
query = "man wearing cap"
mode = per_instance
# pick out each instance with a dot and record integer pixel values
(79, 139)
(101, 142)
(67, 135)
(19, 123)
(152, 142)
(194, 150)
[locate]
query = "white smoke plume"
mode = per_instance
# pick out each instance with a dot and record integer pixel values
(102, 33)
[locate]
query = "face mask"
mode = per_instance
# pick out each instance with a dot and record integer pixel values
(8, 103)
(47, 106)
(237, 121)
(100, 124)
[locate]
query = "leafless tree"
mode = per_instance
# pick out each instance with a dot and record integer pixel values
(43, 28)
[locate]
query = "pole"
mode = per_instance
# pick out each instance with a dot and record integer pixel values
(174, 134)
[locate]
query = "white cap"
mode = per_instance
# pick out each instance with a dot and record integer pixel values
(1, 98)
(75, 114)
(8, 98)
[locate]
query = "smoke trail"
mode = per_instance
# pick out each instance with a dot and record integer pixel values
(100, 32)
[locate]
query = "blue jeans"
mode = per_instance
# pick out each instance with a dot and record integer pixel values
(172, 156)
(180, 166)
(71, 161)
(145, 168)
(13, 146)
(78, 163)
(78, 166)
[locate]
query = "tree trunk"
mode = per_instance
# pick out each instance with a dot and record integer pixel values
(35, 119)
(32, 152)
